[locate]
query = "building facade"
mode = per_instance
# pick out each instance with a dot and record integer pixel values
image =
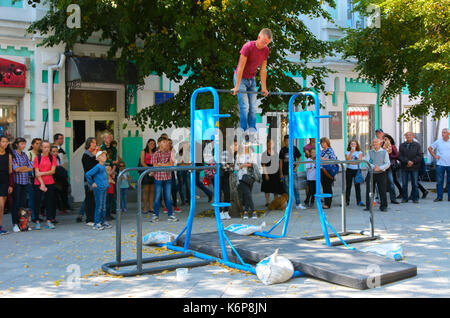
(44, 91)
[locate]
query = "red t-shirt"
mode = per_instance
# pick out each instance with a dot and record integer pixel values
(254, 56)
(110, 189)
(45, 166)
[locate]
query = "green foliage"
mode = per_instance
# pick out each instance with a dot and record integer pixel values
(203, 37)
(410, 49)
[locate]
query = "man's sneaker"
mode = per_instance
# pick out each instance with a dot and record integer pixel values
(361, 204)
(254, 216)
(37, 226)
(154, 219)
(171, 218)
(424, 195)
(437, 200)
(165, 210)
(98, 227)
(90, 223)
(79, 219)
(16, 228)
(225, 216)
(3, 231)
(176, 209)
(300, 207)
(49, 225)
(245, 215)
(106, 225)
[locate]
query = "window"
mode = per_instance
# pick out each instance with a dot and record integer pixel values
(93, 100)
(354, 19)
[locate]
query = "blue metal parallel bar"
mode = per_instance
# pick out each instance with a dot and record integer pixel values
(235, 251)
(266, 234)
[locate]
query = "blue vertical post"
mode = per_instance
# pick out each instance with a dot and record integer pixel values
(319, 195)
(288, 210)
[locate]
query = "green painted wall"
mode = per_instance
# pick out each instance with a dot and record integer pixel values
(11, 3)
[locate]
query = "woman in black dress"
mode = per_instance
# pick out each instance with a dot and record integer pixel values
(5, 180)
(271, 174)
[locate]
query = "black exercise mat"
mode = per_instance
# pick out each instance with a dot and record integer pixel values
(337, 265)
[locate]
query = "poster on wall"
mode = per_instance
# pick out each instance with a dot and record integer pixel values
(335, 125)
(12, 74)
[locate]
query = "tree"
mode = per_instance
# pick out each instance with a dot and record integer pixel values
(200, 37)
(410, 49)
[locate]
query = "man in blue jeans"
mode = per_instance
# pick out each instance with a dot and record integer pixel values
(252, 55)
(410, 157)
(440, 150)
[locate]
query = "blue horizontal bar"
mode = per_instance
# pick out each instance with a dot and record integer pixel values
(323, 195)
(221, 204)
(221, 115)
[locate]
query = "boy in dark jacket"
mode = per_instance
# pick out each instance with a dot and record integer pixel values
(410, 157)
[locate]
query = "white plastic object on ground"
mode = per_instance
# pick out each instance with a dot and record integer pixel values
(159, 237)
(274, 269)
(391, 250)
(245, 229)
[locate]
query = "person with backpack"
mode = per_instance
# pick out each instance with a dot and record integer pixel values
(6, 178)
(328, 172)
(21, 167)
(244, 164)
(380, 163)
(44, 168)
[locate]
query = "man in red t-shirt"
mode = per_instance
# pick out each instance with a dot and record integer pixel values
(253, 55)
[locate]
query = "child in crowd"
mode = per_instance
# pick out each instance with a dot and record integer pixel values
(163, 180)
(110, 193)
(97, 178)
(125, 180)
(311, 178)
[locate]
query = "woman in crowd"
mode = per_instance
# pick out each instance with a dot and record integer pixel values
(33, 151)
(6, 180)
(389, 146)
(271, 173)
(21, 167)
(353, 153)
(44, 168)
(148, 183)
(244, 164)
(326, 179)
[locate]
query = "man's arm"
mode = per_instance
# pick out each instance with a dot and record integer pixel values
(263, 76)
(386, 164)
(240, 71)
(432, 153)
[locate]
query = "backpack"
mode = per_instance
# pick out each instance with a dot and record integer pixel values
(39, 156)
(24, 220)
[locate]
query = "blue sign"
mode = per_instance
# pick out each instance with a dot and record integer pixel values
(204, 124)
(304, 125)
(161, 97)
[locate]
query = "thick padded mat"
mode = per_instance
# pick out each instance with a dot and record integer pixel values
(337, 265)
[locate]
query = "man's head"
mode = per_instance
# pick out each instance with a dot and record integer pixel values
(54, 150)
(286, 140)
(445, 134)
(376, 143)
(264, 38)
(58, 139)
(409, 136)
(101, 156)
(163, 143)
(107, 138)
(379, 133)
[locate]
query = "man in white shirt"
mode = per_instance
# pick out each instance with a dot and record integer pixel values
(440, 150)
(58, 140)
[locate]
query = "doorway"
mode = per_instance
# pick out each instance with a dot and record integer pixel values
(360, 125)
(85, 125)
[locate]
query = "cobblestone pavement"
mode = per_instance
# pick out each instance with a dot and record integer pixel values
(47, 263)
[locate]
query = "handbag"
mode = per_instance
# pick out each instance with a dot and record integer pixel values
(248, 179)
(359, 177)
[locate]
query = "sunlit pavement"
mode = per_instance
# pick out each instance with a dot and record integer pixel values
(66, 262)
